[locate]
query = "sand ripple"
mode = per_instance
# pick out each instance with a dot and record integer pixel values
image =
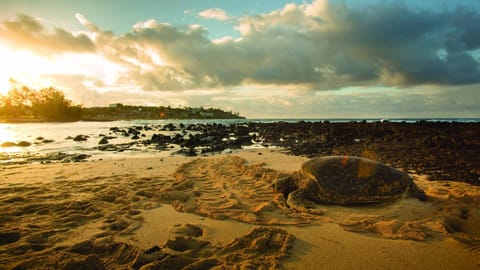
(87, 223)
(230, 188)
(261, 248)
(39, 218)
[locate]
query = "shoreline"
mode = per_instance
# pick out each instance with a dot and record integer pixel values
(4, 120)
(67, 214)
(443, 150)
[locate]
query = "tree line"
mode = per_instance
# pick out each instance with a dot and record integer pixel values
(23, 103)
(47, 104)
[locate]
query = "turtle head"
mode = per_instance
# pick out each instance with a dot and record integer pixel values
(285, 184)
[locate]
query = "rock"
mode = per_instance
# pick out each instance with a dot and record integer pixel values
(103, 140)
(108, 147)
(8, 144)
(159, 138)
(80, 138)
(244, 140)
(75, 158)
(23, 144)
(178, 139)
(9, 237)
(169, 127)
(133, 131)
(189, 152)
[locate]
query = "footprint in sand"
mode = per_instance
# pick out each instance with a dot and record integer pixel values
(261, 248)
(189, 230)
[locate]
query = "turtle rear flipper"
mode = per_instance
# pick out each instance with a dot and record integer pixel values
(299, 201)
(416, 192)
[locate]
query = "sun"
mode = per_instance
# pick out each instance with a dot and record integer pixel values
(25, 68)
(38, 71)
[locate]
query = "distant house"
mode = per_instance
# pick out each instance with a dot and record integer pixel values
(115, 105)
(207, 114)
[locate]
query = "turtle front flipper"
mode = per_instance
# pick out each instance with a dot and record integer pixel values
(285, 184)
(300, 201)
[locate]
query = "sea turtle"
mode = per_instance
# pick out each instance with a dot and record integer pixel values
(345, 180)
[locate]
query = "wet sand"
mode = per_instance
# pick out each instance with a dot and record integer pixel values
(220, 211)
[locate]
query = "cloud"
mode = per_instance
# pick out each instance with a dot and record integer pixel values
(214, 14)
(334, 46)
(287, 102)
(28, 33)
(455, 101)
(85, 22)
(318, 45)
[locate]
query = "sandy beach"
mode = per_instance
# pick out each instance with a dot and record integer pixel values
(220, 212)
(313, 134)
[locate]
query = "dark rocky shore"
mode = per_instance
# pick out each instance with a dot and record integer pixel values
(443, 150)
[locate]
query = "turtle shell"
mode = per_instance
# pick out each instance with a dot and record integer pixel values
(353, 180)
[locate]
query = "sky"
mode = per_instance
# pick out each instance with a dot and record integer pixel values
(263, 59)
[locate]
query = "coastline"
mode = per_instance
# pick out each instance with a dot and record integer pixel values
(443, 150)
(4, 120)
(111, 212)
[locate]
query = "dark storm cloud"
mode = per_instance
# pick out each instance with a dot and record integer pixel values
(28, 33)
(408, 42)
(390, 44)
(466, 28)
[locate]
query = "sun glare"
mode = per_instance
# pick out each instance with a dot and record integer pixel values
(22, 66)
(4, 70)
(6, 135)
(37, 71)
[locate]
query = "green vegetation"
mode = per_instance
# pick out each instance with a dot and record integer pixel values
(23, 104)
(47, 104)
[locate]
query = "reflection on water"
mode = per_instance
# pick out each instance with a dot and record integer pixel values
(8, 134)
(59, 136)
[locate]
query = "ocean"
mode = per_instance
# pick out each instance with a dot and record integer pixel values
(48, 138)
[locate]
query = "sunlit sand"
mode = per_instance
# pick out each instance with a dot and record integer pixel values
(201, 211)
